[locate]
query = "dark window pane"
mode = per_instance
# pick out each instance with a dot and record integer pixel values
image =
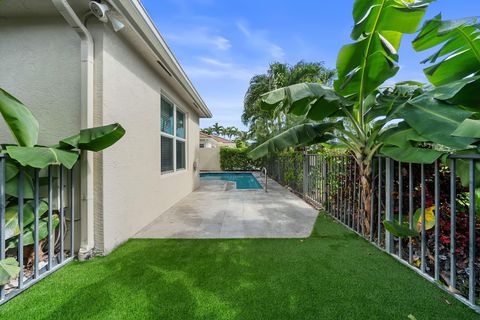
(180, 155)
(180, 124)
(166, 120)
(166, 154)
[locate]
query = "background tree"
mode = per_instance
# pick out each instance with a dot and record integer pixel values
(217, 129)
(231, 132)
(208, 131)
(263, 123)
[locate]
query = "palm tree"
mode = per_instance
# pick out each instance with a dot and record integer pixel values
(217, 129)
(231, 132)
(208, 130)
(263, 124)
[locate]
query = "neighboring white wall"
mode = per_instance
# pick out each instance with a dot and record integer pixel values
(134, 191)
(209, 159)
(40, 65)
(227, 145)
(208, 143)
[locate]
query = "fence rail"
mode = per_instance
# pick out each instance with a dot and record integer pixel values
(40, 205)
(439, 201)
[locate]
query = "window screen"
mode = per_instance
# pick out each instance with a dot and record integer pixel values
(166, 154)
(180, 124)
(172, 137)
(167, 117)
(180, 154)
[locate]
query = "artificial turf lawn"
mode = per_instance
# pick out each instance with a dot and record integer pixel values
(333, 274)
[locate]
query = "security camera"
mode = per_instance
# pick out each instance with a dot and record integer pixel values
(99, 10)
(104, 14)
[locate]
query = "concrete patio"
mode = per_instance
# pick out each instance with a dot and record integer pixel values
(216, 210)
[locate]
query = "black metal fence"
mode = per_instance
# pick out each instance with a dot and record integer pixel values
(37, 222)
(439, 201)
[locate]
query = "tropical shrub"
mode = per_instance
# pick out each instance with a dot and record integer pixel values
(27, 156)
(237, 159)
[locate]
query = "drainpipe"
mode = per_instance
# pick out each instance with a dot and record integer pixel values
(86, 121)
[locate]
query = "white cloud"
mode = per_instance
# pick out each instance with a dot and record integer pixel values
(199, 37)
(216, 69)
(260, 40)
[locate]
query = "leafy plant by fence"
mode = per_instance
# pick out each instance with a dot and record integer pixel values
(33, 190)
(237, 159)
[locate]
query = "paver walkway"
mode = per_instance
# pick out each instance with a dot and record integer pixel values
(217, 211)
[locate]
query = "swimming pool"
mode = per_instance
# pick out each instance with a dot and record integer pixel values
(244, 180)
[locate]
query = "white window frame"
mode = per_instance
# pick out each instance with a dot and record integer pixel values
(174, 135)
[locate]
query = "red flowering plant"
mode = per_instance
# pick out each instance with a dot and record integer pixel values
(461, 225)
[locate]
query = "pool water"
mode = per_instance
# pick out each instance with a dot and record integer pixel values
(244, 180)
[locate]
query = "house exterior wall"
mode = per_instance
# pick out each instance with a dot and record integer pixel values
(134, 190)
(40, 66)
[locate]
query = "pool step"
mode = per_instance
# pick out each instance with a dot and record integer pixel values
(230, 185)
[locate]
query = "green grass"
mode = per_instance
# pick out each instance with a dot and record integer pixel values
(334, 274)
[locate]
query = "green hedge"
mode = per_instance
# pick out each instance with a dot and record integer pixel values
(237, 159)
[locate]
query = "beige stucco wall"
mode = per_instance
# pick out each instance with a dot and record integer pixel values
(209, 159)
(39, 64)
(134, 190)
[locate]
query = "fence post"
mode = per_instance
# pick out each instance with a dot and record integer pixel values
(324, 180)
(2, 217)
(305, 175)
(388, 202)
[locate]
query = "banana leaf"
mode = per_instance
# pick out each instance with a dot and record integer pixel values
(468, 128)
(399, 230)
(436, 121)
(9, 269)
(379, 24)
(460, 50)
(21, 122)
(11, 185)
(41, 157)
(299, 135)
(29, 232)
(94, 139)
(11, 217)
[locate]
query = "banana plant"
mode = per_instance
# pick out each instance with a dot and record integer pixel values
(24, 128)
(356, 102)
(450, 111)
(9, 269)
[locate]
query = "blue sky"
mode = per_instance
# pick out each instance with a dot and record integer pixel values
(221, 44)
